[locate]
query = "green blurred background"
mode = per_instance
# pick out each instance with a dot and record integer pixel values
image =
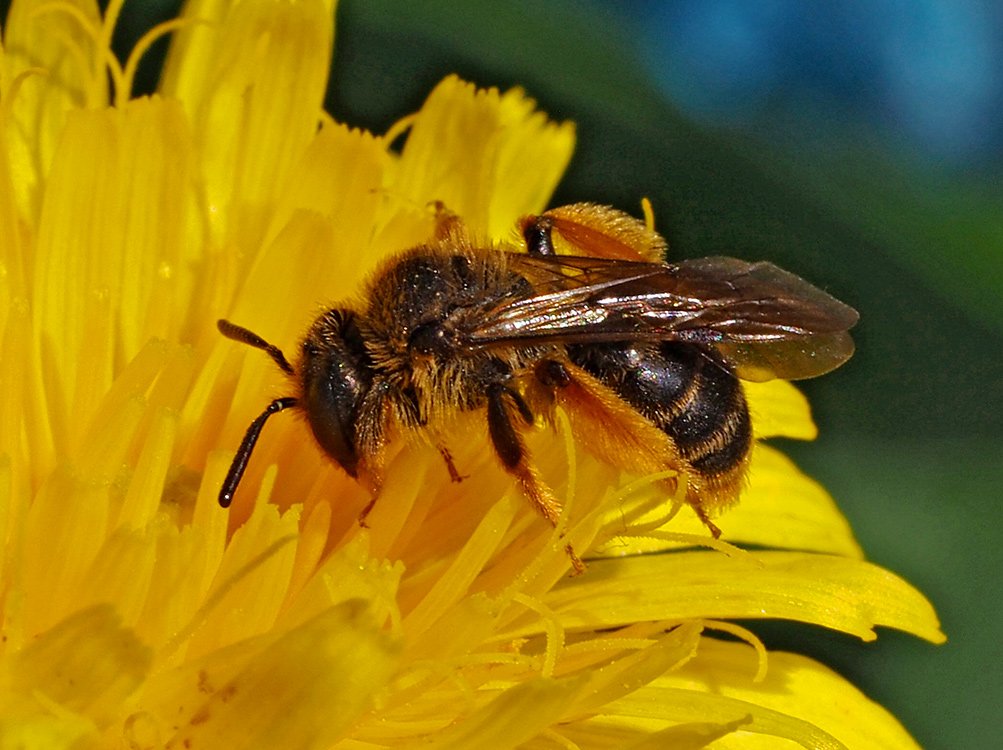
(816, 174)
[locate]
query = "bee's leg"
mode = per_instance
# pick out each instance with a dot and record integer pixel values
(511, 451)
(364, 513)
(593, 230)
(553, 374)
(536, 231)
(447, 224)
(701, 512)
(372, 479)
(616, 432)
(379, 418)
(447, 456)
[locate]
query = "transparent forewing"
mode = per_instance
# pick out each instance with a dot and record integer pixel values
(767, 322)
(790, 359)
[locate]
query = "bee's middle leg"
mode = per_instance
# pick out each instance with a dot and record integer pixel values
(504, 407)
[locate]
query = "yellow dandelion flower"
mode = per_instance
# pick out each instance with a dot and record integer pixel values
(137, 613)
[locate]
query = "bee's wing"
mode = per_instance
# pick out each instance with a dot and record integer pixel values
(766, 321)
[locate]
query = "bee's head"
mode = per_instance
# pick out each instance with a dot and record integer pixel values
(336, 374)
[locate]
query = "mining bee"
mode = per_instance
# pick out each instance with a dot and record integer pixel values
(645, 357)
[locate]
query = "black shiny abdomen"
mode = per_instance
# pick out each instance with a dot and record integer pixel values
(686, 390)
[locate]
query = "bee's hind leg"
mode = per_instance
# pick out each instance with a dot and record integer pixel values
(536, 231)
(701, 512)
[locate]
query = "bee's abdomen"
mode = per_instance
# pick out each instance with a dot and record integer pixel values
(686, 390)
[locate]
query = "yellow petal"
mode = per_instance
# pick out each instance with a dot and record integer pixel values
(72, 293)
(252, 81)
(302, 691)
(515, 716)
(655, 705)
(16, 237)
(64, 731)
(839, 593)
(293, 266)
(340, 177)
(185, 562)
(118, 192)
(784, 508)
(26, 430)
(452, 583)
(778, 409)
(87, 664)
(688, 736)
(52, 53)
(72, 517)
(251, 581)
(631, 672)
(606, 732)
(793, 687)
(195, 47)
(349, 573)
(80, 504)
(472, 149)
(157, 247)
(546, 145)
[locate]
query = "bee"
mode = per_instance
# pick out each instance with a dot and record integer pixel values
(646, 357)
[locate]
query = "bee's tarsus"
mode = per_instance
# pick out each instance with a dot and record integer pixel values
(454, 474)
(364, 513)
(712, 527)
(577, 566)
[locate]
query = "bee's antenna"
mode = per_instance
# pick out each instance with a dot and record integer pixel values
(236, 472)
(244, 336)
(240, 460)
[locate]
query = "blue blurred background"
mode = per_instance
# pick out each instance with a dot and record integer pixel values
(924, 74)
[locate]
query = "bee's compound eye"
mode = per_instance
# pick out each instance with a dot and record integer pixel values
(337, 374)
